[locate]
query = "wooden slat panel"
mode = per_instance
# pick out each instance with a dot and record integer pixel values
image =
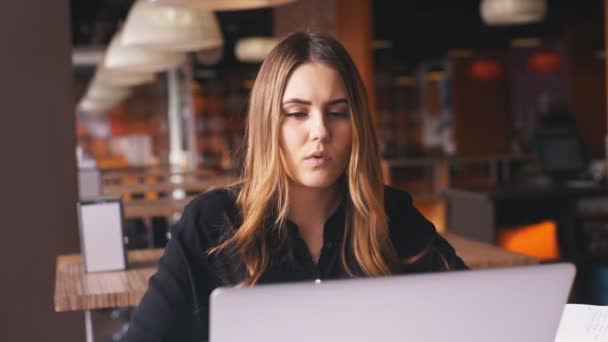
(76, 290)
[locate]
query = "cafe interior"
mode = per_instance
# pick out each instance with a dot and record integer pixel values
(490, 113)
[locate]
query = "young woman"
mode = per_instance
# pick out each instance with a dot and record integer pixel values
(311, 204)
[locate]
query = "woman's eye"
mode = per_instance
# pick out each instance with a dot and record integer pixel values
(295, 114)
(338, 114)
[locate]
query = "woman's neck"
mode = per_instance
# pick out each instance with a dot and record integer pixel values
(311, 207)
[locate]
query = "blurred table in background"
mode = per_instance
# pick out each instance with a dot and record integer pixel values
(478, 213)
(77, 290)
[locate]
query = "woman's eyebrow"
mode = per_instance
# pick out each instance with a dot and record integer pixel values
(304, 102)
(297, 101)
(337, 101)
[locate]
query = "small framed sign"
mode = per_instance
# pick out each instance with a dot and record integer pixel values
(101, 234)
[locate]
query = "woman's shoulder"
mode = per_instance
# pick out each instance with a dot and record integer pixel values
(394, 198)
(210, 215)
(212, 200)
(420, 247)
(410, 231)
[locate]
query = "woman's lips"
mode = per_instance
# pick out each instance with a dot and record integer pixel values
(318, 159)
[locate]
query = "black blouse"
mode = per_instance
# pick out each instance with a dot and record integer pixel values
(175, 306)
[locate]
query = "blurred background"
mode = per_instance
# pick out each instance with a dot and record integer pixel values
(491, 113)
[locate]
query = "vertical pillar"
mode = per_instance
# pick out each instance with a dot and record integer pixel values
(38, 179)
(182, 141)
(350, 21)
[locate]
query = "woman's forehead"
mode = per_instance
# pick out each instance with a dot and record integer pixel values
(314, 82)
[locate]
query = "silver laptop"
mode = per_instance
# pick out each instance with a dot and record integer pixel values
(521, 304)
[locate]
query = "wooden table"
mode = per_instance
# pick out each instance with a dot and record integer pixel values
(155, 208)
(188, 184)
(482, 255)
(76, 290)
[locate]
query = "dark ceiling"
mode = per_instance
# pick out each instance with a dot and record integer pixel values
(426, 29)
(419, 30)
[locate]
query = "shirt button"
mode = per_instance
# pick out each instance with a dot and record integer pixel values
(329, 245)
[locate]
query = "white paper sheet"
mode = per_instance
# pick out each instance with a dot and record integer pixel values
(583, 323)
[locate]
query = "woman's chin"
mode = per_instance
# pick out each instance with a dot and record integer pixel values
(318, 182)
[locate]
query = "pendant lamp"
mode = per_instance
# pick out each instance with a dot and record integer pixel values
(223, 5)
(95, 106)
(254, 49)
(171, 28)
(124, 78)
(100, 92)
(512, 12)
(139, 59)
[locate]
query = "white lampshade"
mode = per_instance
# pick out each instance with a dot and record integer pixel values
(124, 78)
(139, 59)
(512, 12)
(96, 106)
(254, 49)
(171, 28)
(103, 92)
(223, 5)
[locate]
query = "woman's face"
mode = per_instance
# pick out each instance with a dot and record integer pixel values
(316, 130)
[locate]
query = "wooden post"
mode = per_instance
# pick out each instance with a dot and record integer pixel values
(354, 29)
(350, 21)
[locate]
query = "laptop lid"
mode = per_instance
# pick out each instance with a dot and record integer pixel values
(521, 304)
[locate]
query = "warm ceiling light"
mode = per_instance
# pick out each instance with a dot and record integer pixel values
(525, 42)
(512, 12)
(460, 53)
(171, 28)
(404, 81)
(544, 61)
(435, 76)
(119, 78)
(486, 69)
(223, 5)
(254, 49)
(139, 59)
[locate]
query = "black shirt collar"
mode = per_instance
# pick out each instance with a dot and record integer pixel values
(333, 231)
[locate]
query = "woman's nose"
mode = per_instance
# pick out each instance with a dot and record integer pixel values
(319, 129)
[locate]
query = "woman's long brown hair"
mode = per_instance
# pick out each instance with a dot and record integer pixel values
(265, 194)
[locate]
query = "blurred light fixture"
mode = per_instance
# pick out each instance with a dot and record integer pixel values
(525, 42)
(139, 59)
(544, 61)
(435, 76)
(122, 78)
(86, 56)
(254, 49)
(512, 12)
(87, 105)
(486, 69)
(163, 27)
(223, 5)
(460, 53)
(404, 81)
(101, 91)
